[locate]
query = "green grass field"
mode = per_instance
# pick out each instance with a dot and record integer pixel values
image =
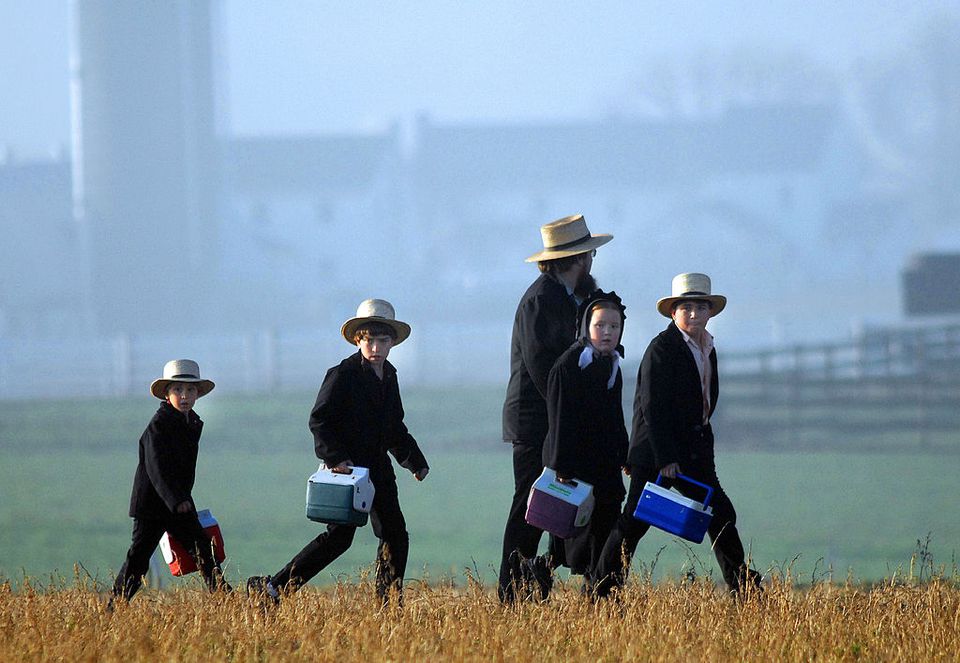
(66, 470)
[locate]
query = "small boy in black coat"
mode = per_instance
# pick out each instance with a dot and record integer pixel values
(161, 499)
(357, 419)
(587, 438)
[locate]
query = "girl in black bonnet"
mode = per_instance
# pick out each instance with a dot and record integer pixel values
(587, 439)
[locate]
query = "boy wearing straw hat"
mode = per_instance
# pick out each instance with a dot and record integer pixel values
(357, 419)
(161, 499)
(544, 327)
(677, 390)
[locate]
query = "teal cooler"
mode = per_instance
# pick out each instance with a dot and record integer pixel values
(340, 499)
(674, 513)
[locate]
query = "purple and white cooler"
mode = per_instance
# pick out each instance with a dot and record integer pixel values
(559, 508)
(674, 513)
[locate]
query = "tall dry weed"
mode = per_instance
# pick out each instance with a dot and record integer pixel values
(901, 619)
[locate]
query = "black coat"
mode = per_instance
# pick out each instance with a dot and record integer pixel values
(587, 438)
(668, 407)
(359, 417)
(543, 328)
(168, 463)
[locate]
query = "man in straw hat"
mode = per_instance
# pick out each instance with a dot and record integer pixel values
(677, 390)
(543, 328)
(356, 420)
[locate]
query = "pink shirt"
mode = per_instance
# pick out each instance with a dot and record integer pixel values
(701, 355)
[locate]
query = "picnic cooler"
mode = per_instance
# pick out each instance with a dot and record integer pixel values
(340, 499)
(559, 508)
(176, 556)
(674, 513)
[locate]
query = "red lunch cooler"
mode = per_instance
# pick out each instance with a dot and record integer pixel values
(176, 556)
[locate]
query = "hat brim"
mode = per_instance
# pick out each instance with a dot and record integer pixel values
(717, 304)
(159, 387)
(588, 244)
(350, 327)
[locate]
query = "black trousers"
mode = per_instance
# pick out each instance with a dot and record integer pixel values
(727, 546)
(583, 550)
(520, 539)
(388, 525)
(185, 528)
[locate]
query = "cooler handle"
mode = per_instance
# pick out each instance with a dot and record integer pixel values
(573, 483)
(324, 467)
(709, 489)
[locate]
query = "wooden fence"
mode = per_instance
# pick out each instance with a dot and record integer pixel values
(888, 389)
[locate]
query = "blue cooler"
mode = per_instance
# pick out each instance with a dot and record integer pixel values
(340, 499)
(674, 513)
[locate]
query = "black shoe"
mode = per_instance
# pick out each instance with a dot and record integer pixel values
(750, 586)
(219, 583)
(540, 576)
(511, 579)
(260, 587)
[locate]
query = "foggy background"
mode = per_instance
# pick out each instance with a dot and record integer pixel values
(227, 180)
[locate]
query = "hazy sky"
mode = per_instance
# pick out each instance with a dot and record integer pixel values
(307, 67)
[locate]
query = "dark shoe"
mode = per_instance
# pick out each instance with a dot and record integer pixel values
(219, 583)
(511, 579)
(750, 586)
(260, 587)
(539, 577)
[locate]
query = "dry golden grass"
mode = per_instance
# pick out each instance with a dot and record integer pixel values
(900, 620)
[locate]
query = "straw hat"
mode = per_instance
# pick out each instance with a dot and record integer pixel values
(375, 310)
(691, 286)
(180, 370)
(568, 236)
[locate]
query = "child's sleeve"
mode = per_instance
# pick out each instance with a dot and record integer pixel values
(163, 467)
(559, 448)
(405, 448)
(656, 397)
(326, 420)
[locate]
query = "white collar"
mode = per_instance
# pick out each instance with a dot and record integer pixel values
(707, 339)
(586, 358)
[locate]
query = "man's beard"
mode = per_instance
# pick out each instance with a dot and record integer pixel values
(586, 284)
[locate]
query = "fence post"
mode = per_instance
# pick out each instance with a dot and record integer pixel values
(795, 396)
(920, 373)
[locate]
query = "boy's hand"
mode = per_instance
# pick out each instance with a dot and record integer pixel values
(420, 475)
(343, 468)
(626, 469)
(670, 471)
(184, 507)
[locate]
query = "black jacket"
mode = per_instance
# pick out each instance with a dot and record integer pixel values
(168, 463)
(359, 417)
(587, 438)
(668, 407)
(543, 328)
